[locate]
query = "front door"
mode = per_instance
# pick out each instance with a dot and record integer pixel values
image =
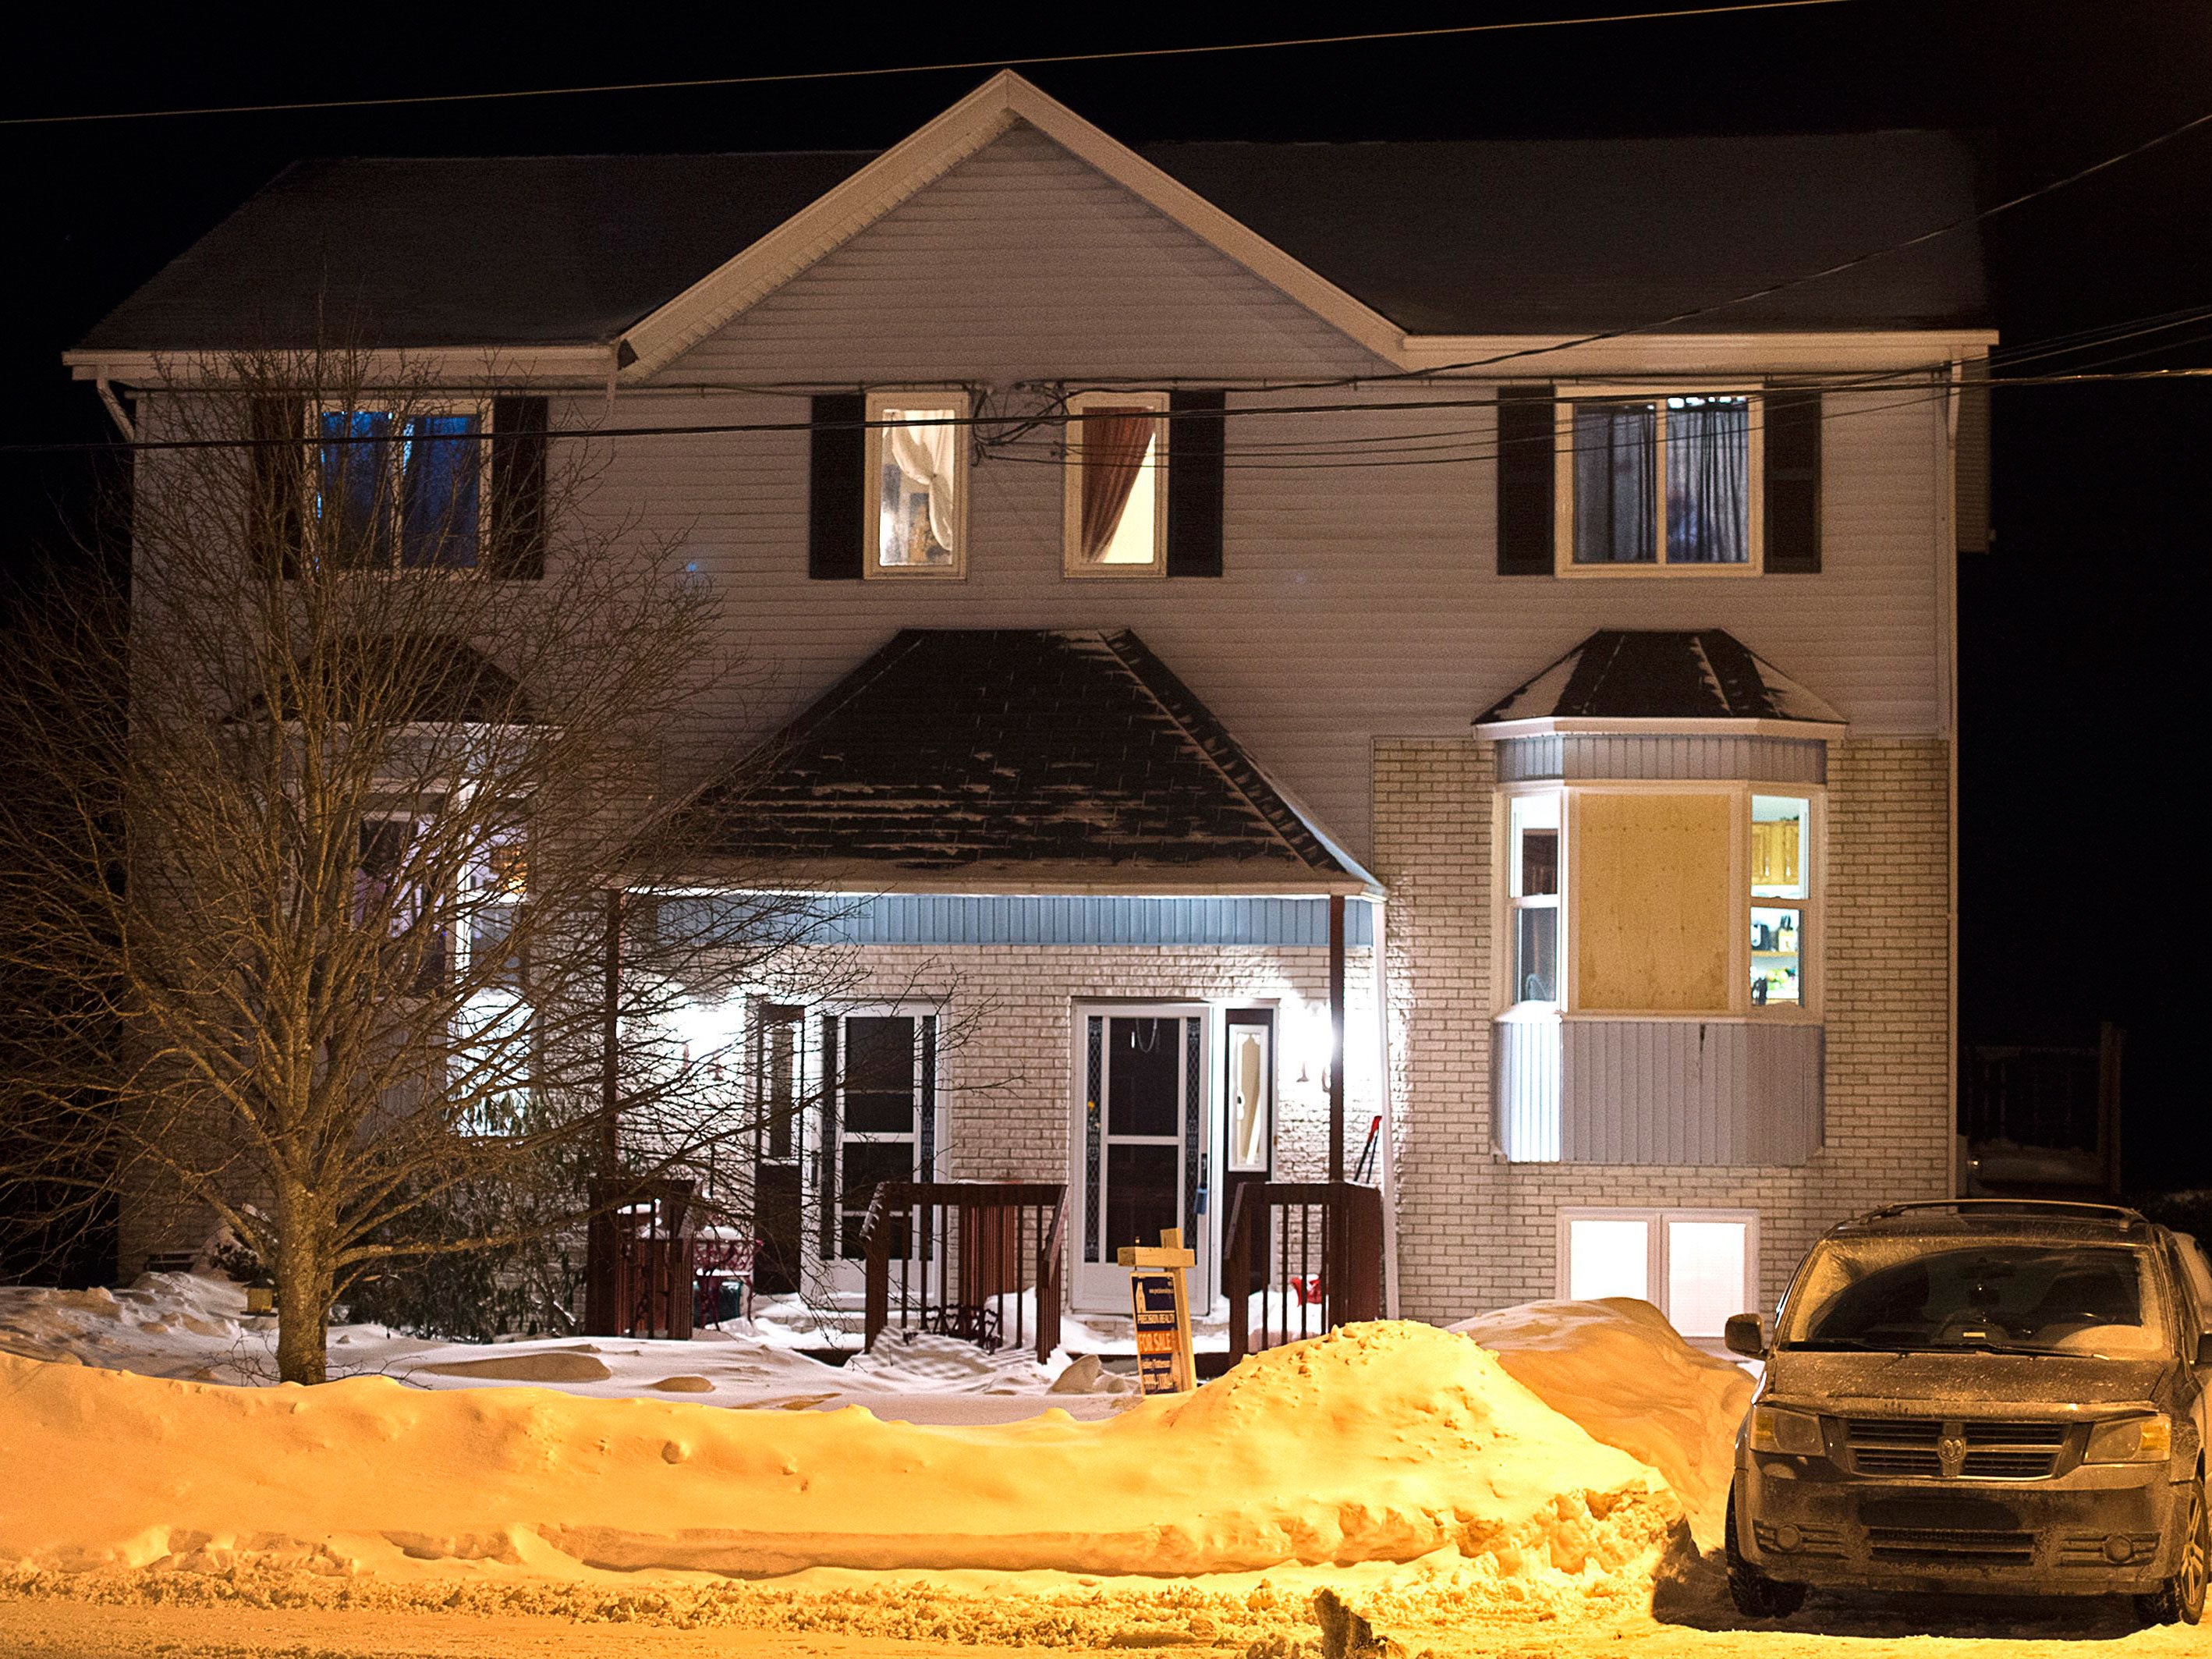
(1142, 1135)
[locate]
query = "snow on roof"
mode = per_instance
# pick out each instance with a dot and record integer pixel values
(994, 754)
(1636, 674)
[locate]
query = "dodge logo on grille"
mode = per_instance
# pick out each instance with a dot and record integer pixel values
(1951, 1454)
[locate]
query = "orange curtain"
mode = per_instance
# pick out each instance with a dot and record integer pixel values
(1113, 444)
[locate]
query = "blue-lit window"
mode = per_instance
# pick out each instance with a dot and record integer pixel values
(404, 490)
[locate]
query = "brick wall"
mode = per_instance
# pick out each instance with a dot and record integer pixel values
(1008, 1010)
(1476, 1232)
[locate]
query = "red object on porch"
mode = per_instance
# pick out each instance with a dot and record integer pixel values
(639, 1268)
(1322, 1241)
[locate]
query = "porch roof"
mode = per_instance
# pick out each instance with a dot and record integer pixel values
(1629, 676)
(1013, 760)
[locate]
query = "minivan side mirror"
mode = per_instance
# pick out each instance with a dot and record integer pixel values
(1742, 1334)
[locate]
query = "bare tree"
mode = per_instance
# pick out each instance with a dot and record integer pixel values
(336, 819)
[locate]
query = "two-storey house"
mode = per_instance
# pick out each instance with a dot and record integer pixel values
(1502, 590)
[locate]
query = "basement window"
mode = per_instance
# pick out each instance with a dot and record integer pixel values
(917, 478)
(1696, 1266)
(1117, 488)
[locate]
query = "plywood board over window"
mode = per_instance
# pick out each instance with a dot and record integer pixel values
(1655, 901)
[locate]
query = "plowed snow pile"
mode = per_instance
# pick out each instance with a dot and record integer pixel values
(1619, 1369)
(1381, 1443)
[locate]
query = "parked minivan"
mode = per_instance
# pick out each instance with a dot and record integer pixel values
(1980, 1395)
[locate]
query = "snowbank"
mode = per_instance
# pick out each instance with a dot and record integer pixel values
(1383, 1442)
(1621, 1371)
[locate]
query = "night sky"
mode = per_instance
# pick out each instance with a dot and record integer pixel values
(2083, 661)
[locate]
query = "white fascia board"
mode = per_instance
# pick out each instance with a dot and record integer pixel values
(1003, 882)
(1567, 357)
(463, 366)
(1546, 726)
(926, 155)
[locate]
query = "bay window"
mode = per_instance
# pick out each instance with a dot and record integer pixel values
(1659, 483)
(1116, 517)
(916, 469)
(1661, 899)
(1533, 881)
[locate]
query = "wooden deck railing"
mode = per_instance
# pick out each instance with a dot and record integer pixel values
(1315, 1248)
(638, 1259)
(961, 1258)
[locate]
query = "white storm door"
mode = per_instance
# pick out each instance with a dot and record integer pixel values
(1142, 1135)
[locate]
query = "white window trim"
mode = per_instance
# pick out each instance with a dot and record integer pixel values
(1813, 952)
(872, 471)
(1563, 483)
(407, 410)
(1072, 563)
(1654, 1253)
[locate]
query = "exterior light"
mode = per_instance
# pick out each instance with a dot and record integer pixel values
(261, 1295)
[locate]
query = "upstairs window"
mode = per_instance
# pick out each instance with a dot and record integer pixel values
(1116, 520)
(916, 472)
(401, 491)
(1659, 483)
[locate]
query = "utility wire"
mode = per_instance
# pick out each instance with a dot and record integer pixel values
(1937, 384)
(917, 69)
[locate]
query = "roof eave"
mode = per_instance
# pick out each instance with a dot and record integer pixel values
(1722, 725)
(1001, 880)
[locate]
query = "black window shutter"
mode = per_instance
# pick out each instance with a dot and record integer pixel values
(1793, 482)
(1526, 439)
(1197, 481)
(518, 487)
(835, 491)
(278, 427)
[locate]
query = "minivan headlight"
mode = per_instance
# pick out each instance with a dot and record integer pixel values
(1776, 1430)
(2131, 1440)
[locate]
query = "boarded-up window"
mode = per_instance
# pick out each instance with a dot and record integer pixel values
(1656, 906)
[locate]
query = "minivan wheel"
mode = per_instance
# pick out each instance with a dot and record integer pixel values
(1755, 1595)
(2180, 1599)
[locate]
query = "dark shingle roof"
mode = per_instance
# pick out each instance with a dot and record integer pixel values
(1661, 674)
(968, 750)
(1499, 236)
(418, 678)
(532, 250)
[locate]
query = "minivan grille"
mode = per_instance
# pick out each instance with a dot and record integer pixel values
(1946, 1544)
(1907, 1448)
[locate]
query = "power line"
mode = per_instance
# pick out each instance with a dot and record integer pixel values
(1938, 384)
(915, 68)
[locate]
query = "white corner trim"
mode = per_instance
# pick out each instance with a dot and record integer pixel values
(1544, 726)
(928, 154)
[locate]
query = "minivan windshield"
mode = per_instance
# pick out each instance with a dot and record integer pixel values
(1906, 1294)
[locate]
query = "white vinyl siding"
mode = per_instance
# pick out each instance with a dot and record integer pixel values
(1356, 603)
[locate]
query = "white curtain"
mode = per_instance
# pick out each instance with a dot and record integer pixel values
(926, 455)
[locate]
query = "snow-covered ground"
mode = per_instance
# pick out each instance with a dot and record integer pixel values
(194, 1328)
